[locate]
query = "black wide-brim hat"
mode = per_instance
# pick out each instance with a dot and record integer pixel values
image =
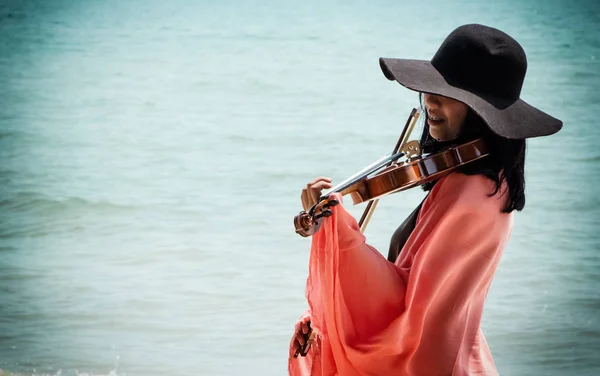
(484, 68)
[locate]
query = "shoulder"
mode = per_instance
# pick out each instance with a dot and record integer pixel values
(463, 207)
(469, 192)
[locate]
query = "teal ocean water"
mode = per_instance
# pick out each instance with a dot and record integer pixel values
(152, 156)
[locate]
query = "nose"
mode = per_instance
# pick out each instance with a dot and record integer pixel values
(431, 100)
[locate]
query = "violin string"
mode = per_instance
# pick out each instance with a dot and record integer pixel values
(373, 167)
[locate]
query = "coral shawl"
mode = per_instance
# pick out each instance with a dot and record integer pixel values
(420, 315)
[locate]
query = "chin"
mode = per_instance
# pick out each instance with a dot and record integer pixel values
(437, 136)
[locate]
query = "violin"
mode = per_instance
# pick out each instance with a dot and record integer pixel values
(405, 168)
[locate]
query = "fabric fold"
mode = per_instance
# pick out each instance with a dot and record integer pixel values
(420, 315)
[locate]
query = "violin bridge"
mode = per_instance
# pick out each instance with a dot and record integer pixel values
(411, 150)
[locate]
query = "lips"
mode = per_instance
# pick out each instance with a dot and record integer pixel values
(435, 119)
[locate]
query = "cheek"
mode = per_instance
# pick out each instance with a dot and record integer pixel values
(457, 117)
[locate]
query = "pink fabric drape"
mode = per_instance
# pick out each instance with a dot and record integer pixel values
(420, 315)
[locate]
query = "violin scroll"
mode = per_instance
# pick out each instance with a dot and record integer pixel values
(307, 224)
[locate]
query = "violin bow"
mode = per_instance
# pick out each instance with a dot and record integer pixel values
(404, 136)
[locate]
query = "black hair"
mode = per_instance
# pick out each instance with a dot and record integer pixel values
(506, 161)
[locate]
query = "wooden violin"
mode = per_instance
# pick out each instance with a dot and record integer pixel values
(405, 168)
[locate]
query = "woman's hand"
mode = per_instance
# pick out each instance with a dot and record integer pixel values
(310, 195)
(303, 334)
(302, 331)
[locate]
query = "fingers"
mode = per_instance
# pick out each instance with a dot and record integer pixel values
(302, 338)
(301, 333)
(305, 200)
(301, 342)
(315, 190)
(296, 349)
(311, 193)
(304, 327)
(320, 178)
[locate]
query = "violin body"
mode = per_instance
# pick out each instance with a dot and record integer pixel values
(415, 171)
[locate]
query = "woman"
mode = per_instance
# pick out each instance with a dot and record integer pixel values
(419, 312)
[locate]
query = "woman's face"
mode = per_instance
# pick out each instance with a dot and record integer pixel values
(445, 116)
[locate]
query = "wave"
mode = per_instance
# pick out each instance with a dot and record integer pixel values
(62, 373)
(32, 202)
(4, 135)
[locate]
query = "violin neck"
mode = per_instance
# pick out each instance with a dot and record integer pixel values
(373, 167)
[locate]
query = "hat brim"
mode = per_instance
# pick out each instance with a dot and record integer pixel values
(519, 120)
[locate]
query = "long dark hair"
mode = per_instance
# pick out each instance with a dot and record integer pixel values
(505, 162)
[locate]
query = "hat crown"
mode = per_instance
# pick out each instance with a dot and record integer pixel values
(485, 61)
